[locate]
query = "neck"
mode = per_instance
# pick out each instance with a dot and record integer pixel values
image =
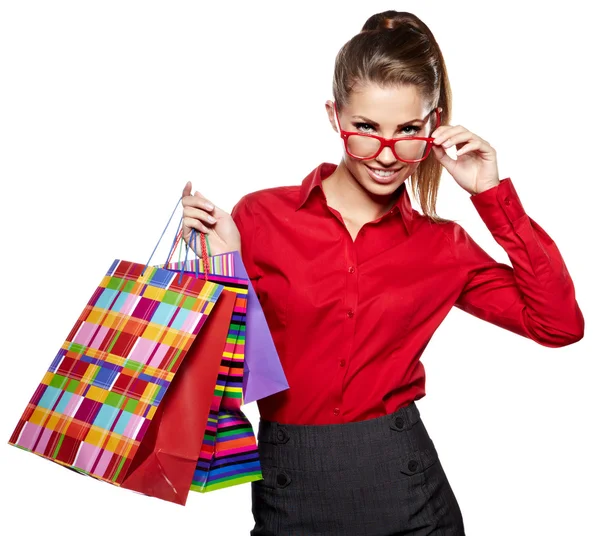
(347, 196)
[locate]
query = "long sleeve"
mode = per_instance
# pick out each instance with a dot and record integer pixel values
(535, 297)
(245, 221)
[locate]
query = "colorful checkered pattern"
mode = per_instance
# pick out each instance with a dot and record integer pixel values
(229, 451)
(98, 397)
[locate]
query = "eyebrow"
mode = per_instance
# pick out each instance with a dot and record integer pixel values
(375, 124)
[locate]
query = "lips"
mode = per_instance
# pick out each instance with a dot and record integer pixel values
(383, 180)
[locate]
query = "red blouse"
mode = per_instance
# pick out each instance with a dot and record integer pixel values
(350, 319)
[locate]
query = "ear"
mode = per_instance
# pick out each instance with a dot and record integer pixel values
(331, 115)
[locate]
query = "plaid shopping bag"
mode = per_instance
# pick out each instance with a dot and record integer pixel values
(101, 391)
(100, 394)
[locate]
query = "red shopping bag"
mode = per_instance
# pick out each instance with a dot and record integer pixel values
(166, 460)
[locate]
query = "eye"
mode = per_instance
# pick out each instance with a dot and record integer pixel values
(413, 128)
(361, 126)
(409, 130)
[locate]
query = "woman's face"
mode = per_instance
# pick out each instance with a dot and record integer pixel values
(389, 112)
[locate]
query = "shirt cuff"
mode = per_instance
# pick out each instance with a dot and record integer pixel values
(499, 205)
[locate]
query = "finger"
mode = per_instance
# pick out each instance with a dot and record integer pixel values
(443, 158)
(471, 146)
(202, 215)
(439, 131)
(448, 133)
(199, 202)
(187, 189)
(455, 139)
(200, 196)
(193, 223)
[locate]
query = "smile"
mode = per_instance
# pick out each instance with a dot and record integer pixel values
(383, 176)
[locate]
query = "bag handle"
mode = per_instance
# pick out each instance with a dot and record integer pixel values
(178, 236)
(205, 251)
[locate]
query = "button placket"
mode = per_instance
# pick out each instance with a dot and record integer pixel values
(349, 302)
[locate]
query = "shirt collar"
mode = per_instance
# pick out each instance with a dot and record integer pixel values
(321, 172)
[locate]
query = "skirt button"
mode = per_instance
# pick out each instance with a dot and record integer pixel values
(282, 436)
(283, 480)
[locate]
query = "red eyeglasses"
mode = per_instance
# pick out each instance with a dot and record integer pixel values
(410, 149)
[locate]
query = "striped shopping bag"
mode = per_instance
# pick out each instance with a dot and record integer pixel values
(229, 453)
(112, 375)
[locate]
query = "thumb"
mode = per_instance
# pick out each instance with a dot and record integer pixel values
(187, 189)
(441, 155)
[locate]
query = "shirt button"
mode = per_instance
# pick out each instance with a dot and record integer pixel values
(336, 411)
(350, 313)
(399, 422)
(506, 201)
(342, 362)
(351, 269)
(413, 465)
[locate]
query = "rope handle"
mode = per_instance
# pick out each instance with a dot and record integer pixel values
(179, 237)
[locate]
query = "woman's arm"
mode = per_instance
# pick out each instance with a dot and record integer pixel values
(535, 297)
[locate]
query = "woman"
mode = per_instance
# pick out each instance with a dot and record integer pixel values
(354, 283)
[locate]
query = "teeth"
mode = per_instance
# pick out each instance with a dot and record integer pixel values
(382, 173)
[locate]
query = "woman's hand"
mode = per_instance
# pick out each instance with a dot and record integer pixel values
(475, 168)
(221, 232)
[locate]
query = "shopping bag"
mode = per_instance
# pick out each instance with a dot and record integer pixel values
(263, 373)
(229, 454)
(97, 400)
(166, 460)
(223, 435)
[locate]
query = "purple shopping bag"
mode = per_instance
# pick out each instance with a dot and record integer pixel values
(263, 373)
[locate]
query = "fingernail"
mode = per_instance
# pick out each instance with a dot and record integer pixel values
(211, 219)
(209, 206)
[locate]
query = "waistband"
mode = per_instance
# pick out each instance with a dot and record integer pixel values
(308, 435)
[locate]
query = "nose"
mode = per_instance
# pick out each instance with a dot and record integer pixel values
(386, 157)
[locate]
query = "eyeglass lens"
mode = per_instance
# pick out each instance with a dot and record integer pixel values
(364, 147)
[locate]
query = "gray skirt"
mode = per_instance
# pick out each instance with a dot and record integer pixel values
(377, 477)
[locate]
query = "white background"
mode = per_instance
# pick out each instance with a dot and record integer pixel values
(108, 108)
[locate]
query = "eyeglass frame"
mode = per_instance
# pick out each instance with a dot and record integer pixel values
(388, 142)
